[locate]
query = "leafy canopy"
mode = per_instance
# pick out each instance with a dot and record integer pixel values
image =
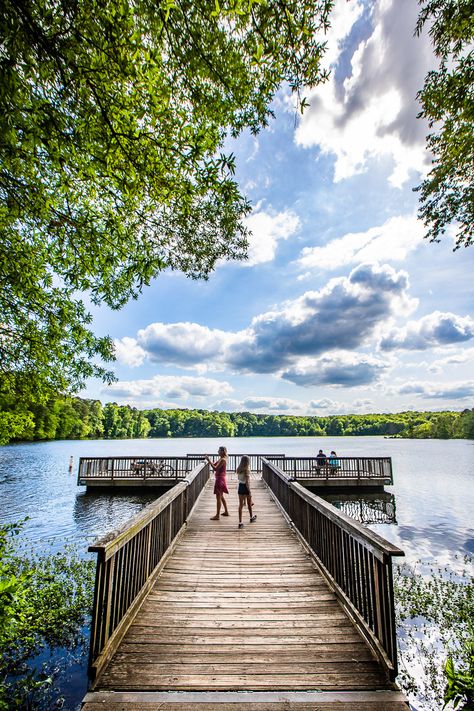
(447, 100)
(113, 117)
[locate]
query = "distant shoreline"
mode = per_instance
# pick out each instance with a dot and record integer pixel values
(70, 418)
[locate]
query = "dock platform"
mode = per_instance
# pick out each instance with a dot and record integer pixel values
(242, 619)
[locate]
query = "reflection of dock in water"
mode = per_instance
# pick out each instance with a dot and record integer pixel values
(366, 508)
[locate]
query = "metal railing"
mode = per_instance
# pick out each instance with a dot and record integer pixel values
(356, 561)
(129, 560)
(354, 468)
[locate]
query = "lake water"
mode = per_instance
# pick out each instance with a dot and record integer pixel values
(429, 514)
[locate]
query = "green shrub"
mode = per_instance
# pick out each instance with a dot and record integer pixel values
(45, 601)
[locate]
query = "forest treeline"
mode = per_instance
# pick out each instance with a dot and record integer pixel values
(77, 418)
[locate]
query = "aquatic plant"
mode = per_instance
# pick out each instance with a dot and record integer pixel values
(435, 609)
(45, 601)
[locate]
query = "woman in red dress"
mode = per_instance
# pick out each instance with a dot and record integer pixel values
(220, 485)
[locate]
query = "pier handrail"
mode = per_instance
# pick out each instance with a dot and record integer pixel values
(138, 468)
(129, 559)
(360, 468)
(356, 562)
(233, 459)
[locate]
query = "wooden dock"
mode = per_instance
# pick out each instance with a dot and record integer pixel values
(162, 472)
(237, 619)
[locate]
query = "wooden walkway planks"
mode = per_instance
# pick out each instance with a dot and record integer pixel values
(253, 701)
(241, 610)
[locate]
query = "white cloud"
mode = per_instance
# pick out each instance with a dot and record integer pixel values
(439, 391)
(365, 404)
(171, 387)
(267, 230)
(371, 114)
(228, 405)
(326, 404)
(458, 358)
(343, 369)
(322, 321)
(393, 240)
(263, 405)
(183, 344)
(343, 17)
(255, 150)
(434, 330)
(128, 352)
(314, 324)
(335, 407)
(273, 404)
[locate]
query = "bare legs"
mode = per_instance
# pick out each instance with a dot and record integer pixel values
(242, 500)
(220, 501)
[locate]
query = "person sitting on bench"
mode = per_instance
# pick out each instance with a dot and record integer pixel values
(334, 462)
(321, 460)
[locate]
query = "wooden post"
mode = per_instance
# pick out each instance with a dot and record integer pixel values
(108, 601)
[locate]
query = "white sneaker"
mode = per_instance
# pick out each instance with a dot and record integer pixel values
(254, 518)
(241, 525)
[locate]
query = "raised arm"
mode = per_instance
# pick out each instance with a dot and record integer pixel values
(214, 466)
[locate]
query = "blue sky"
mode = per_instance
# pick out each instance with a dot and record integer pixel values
(342, 306)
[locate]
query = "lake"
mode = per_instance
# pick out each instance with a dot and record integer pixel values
(429, 515)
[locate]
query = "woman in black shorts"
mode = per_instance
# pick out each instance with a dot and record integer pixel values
(245, 495)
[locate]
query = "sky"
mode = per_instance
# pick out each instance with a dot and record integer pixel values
(342, 306)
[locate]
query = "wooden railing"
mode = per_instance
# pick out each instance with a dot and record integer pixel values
(356, 561)
(351, 470)
(129, 560)
(355, 468)
(138, 469)
(233, 460)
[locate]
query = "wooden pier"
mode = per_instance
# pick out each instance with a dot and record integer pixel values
(294, 611)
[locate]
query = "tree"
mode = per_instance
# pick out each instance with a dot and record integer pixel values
(447, 100)
(467, 423)
(112, 122)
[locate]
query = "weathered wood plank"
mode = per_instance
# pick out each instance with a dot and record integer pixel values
(381, 700)
(247, 706)
(345, 651)
(263, 682)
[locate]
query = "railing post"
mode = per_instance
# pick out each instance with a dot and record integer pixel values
(148, 552)
(108, 602)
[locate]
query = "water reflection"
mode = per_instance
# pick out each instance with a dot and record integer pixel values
(434, 501)
(96, 514)
(366, 508)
